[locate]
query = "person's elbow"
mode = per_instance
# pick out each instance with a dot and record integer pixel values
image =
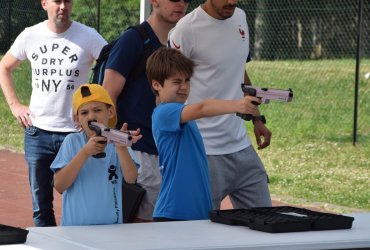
(8, 63)
(58, 184)
(131, 177)
(113, 82)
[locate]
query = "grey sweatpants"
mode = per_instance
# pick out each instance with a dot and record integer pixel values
(240, 175)
(150, 179)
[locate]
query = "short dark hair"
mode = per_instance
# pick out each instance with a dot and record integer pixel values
(165, 62)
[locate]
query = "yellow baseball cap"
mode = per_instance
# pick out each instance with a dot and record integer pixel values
(92, 93)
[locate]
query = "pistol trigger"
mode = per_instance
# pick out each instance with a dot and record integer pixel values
(102, 142)
(255, 103)
(245, 116)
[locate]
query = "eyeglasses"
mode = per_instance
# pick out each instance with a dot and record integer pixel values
(176, 1)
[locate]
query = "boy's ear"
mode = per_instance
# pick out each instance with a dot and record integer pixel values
(156, 85)
(76, 121)
(112, 111)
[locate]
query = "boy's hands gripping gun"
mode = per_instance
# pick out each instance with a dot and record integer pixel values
(265, 94)
(112, 135)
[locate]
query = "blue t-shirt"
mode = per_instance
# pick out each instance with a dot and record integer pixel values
(95, 197)
(185, 190)
(137, 101)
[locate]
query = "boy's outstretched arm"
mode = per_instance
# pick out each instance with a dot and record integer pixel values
(213, 107)
(66, 176)
(127, 164)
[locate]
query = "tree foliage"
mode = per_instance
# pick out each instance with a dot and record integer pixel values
(115, 16)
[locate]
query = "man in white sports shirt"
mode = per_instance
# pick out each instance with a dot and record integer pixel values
(61, 52)
(215, 36)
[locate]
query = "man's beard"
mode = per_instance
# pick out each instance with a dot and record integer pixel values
(60, 22)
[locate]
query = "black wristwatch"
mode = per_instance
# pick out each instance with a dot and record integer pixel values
(259, 118)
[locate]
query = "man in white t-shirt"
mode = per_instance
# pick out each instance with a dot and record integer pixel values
(61, 52)
(215, 36)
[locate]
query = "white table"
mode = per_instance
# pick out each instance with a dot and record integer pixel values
(193, 235)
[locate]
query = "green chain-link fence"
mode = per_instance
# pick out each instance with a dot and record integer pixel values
(289, 29)
(15, 16)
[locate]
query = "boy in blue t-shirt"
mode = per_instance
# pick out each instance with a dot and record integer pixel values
(185, 191)
(91, 186)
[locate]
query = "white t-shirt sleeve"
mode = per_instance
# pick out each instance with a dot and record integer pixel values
(97, 43)
(18, 48)
(181, 38)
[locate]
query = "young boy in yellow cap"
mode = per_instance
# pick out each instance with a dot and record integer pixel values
(91, 186)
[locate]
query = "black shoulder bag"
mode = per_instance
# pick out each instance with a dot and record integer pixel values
(132, 195)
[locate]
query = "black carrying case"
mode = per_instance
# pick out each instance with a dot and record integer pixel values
(12, 235)
(281, 219)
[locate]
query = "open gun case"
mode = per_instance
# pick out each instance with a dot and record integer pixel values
(281, 219)
(12, 235)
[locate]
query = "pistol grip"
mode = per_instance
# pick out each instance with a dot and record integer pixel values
(97, 130)
(249, 91)
(100, 155)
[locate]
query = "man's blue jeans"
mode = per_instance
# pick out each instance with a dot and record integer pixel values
(41, 148)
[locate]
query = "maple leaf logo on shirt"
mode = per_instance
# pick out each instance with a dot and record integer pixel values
(242, 33)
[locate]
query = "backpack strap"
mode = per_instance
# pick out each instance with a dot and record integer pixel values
(97, 75)
(140, 66)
